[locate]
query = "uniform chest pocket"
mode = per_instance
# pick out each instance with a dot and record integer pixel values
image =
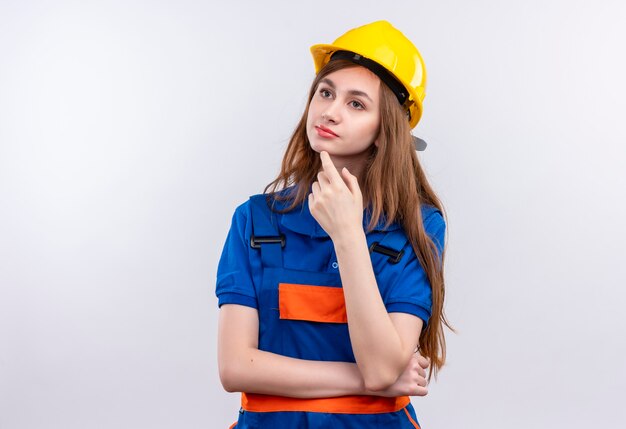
(311, 303)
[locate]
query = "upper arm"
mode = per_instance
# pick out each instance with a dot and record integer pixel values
(412, 296)
(408, 328)
(410, 291)
(238, 330)
(238, 324)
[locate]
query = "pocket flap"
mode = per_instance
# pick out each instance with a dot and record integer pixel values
(311, 303)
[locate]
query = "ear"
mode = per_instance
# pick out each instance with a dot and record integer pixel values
(377, 139)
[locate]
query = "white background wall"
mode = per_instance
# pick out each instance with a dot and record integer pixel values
(130, 130)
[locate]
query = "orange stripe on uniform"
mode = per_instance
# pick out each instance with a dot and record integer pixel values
(341, 405)
(232, 426)
(312, 303)
(413, 422)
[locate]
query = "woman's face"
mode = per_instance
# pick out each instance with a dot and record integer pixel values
(344, 115)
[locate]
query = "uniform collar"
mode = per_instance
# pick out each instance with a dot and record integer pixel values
(301, 220)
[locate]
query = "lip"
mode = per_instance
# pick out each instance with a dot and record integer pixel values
(325, 132)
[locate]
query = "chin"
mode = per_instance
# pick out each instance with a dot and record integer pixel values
(318, 146)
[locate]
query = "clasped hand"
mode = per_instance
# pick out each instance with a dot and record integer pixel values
(336, 201)
(412, 381)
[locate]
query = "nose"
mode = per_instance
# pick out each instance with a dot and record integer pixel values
(330, 115)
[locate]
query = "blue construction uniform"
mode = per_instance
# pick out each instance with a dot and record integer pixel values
(299, 265)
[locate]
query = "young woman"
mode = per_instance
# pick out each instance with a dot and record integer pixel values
(331, 283)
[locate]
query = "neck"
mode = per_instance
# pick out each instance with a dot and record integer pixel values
(354, 164)
(356, 167)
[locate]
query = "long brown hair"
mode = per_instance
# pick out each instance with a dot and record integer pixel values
(396, 187)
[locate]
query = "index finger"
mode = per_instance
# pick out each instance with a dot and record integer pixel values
(329, 167)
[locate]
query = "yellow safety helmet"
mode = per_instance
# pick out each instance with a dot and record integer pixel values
(383, 45)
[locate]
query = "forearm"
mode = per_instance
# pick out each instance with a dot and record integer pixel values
(257, 371)
(245, 368)
(379, 351)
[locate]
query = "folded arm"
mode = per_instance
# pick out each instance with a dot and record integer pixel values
(245, 368)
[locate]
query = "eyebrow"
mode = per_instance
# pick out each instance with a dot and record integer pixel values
(351, 92)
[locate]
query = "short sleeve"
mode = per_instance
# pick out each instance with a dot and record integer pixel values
(411, 292)
(235, 283)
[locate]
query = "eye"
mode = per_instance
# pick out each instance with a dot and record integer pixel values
(357, 105)
(325, 93)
